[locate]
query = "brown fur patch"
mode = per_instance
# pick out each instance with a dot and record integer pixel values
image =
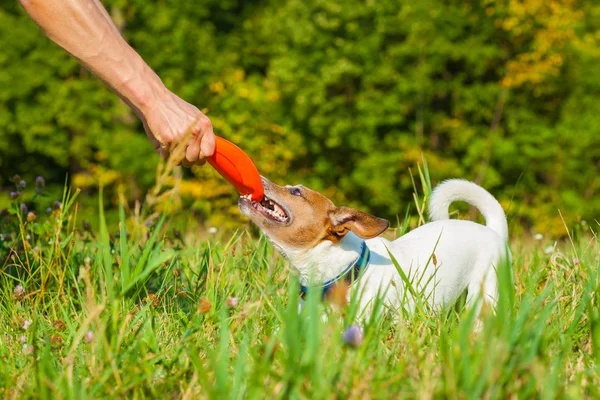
(311, 218)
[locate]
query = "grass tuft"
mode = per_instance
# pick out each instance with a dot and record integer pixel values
(93, 315)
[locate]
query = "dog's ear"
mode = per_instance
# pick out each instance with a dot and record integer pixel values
(344, 219)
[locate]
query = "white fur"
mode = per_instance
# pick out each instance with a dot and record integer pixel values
(466, 254)
(324, 261)
(460, 190)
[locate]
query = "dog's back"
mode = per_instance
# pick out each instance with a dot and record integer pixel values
(447, 256)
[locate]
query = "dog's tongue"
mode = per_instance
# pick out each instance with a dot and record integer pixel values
(239, 170)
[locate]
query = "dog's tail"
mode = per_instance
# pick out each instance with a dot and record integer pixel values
(460, 190)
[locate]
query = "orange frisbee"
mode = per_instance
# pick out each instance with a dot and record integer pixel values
(239, 170)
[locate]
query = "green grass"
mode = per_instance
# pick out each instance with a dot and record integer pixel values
(149, 315)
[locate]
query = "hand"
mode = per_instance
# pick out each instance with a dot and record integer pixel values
(84, 28)
(169, 121)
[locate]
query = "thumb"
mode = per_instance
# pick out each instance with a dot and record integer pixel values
(207, 146)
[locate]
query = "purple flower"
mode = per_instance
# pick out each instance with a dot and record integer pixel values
(48, 210)
(575, 261)
(27, 349)
(57, 205)
(89, 336)
(353, 336)
(14, 195)
(40, 182)
(19, 291)
(24, 208)
(22, 184)
(26, 324)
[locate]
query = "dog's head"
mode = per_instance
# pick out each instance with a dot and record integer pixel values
(295, 217)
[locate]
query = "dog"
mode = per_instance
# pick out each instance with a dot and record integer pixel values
(441, 259)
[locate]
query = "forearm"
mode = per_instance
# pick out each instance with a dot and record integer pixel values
(84, 29)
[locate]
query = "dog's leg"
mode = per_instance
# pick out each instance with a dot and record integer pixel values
(490, 289)
(483, 293)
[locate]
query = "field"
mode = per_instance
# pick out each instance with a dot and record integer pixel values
(149, 312)
(126, 276)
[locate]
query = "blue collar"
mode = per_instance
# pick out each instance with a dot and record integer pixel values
(350, 274)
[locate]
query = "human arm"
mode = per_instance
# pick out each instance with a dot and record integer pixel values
(85, 30)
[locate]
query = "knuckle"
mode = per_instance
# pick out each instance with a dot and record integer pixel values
(205, 123)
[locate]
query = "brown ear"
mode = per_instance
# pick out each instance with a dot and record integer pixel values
(344, 219)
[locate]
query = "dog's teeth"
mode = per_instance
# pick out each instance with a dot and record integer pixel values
(270, 208)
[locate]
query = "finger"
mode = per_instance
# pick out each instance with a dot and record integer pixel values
(207, 137)
(177, 159)
(164, 152)
(155, 142)
(207, 145)
(192, 153)
(178, 152)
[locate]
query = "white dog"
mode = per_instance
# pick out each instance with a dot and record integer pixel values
(326, 244)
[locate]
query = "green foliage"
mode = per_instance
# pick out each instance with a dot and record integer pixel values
(344, 97)
(90, 314)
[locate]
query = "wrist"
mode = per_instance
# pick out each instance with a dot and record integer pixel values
(146, 90)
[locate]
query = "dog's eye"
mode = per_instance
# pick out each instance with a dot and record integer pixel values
(295, 191)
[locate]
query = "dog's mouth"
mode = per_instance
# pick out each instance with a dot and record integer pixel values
(270, 209)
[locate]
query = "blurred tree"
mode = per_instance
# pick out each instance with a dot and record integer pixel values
(343, 97)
